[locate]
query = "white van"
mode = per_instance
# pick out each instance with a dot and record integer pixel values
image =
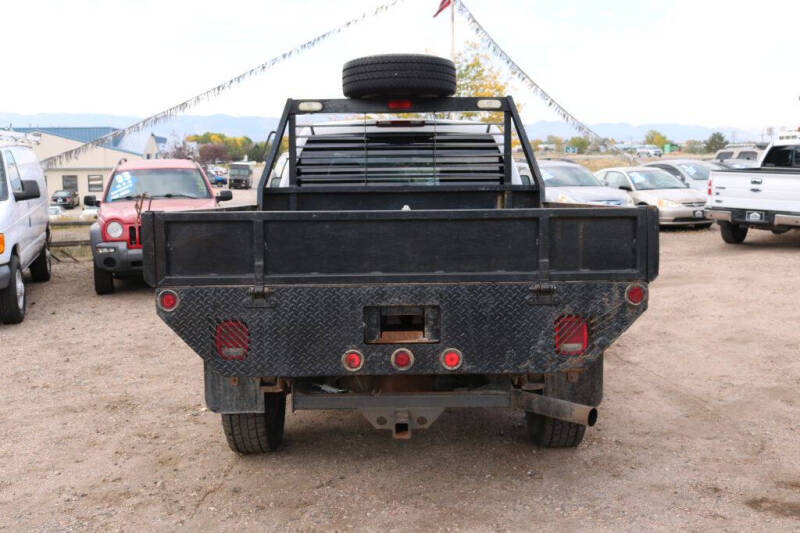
(24, 226)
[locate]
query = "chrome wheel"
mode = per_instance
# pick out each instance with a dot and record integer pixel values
(20, 288)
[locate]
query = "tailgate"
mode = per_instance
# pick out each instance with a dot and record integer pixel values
(767, 189)
(262, 247)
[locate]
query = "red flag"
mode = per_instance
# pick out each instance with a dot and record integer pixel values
(442, 6)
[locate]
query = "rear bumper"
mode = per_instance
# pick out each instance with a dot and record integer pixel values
(770, 218)
(303, 330)
(5, 276)
(681, 216)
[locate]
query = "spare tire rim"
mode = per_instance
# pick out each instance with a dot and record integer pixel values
(20, 287)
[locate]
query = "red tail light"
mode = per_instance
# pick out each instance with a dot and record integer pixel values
(233, 340)
(399, 104)
(168, 300)
(353, 360)
(635, 294)
(709, 186)
(402, 359)
(451, 359)
(572, 335)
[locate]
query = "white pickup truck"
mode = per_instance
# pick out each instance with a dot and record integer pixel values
(766, 197)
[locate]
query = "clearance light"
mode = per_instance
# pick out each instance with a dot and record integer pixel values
(399, 104)
(402, 359)
(2, 243)
(233, 340)
(635, 294)
(310, 106)
(572, 335)
(451, 359)
(168, 300)
(709, 186)
(352, 360)
(489, 104)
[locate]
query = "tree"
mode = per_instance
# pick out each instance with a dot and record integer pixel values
(656, 138)
(694, 147)
(210, 153)
(717, 141)
(581, 143)
(557, 141)
(236, 146)
(181, 151)
(535, 144)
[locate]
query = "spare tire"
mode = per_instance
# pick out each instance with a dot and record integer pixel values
(390, 75)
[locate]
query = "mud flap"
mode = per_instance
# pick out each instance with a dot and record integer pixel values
(226, 395)
(584, 387)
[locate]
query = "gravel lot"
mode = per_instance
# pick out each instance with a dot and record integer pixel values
(103, 424)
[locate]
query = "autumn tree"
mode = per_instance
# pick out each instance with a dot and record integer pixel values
(557, 141)
(210, 153)
(716, 141)
(655, 138)
(236, 147)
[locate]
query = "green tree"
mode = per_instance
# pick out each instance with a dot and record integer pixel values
(557, 141)
(656, 138)
(535, 143)
(717, 141)
(694, 147)
(581, 143)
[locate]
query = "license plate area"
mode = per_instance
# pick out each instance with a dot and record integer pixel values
(402, 324)
(755, 216)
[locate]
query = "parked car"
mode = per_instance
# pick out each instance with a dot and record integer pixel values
(767, 197)
(24, 227)
(692, 172)
(135, 187)
(747, 151)
(55, 212)
(649, 150)
(570, 183)
(241, 175)
(217, 180)
(65, 199)
(402, 283)
(678, 205)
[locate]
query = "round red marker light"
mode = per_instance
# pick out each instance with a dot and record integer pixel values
(353, 360)
(168, 300)
(451, 358)
(635, 294)
(402, 359)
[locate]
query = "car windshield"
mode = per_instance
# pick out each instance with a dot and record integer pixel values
(157, 183)
(568, 176)
(696, 171)
(645, 180)
(61, 194)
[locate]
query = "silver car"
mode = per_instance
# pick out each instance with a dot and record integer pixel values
(692, 172)
(678, 205)
(570, 183)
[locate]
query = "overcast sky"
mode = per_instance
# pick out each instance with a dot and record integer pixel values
(714, 63)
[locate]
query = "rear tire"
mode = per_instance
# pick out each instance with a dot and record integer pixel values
(249, 433)
(547, 432)
(399, 75)
(41, 266)
(103, 281)
(731, 233)
(13, 299)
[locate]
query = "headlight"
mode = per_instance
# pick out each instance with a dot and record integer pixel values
(114, 230)
(564, 199)
(667, 203)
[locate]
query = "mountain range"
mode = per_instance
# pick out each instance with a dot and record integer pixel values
(257, 128)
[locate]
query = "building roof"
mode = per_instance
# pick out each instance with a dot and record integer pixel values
(159, 139)
(82, 135)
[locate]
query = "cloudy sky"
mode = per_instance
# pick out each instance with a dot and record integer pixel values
(714, 63)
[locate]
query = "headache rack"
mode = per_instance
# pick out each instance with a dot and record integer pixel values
(409, 146)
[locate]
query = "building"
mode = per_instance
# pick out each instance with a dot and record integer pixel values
(156, 147)
(88, 172)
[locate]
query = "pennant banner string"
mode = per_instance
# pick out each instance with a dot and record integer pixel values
(215, 91)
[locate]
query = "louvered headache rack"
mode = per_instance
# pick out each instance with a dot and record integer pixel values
(381, 149)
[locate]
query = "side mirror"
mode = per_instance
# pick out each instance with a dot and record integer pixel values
(91, 200)
(626, 188)
(30, 191)
(224, 196)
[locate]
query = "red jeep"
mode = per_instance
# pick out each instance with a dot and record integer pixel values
(133, 188)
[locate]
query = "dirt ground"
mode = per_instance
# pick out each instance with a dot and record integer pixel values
(103, 426)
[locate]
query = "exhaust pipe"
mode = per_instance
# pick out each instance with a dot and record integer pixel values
(585, 415)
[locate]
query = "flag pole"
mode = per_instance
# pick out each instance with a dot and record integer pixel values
(453, 30)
